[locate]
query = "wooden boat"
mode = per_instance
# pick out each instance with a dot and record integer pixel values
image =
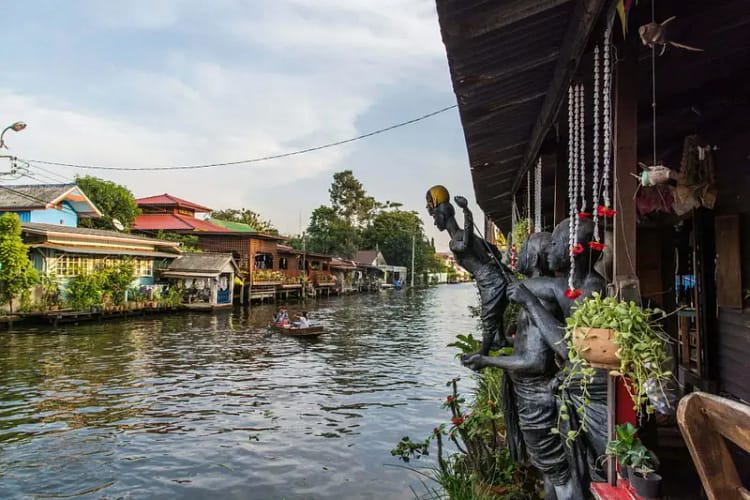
(312, 331)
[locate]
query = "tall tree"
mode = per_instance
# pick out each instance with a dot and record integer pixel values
(392, 232)
(331, 234)
(113, 200)
(246, 216)
(350, 200)
(17, 273)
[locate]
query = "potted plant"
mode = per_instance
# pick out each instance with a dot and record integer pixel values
(643, 477)
(604, 332)
(622, 448)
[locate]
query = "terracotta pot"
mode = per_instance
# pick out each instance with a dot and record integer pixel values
(597, 346)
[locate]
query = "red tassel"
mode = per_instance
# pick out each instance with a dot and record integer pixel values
(603, 211)
(577, 249)
(596, 245)
(573, 293)
(583, 215)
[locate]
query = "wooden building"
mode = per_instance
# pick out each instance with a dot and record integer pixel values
(682, 242)
(168, 213)
(206, 278)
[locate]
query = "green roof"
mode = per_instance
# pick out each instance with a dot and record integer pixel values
(240, 227)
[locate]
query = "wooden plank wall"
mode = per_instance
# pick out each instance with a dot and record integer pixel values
(733, 176)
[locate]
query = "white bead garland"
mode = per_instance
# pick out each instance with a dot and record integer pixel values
(607, 118)
(595, 155)
(572, 176)
(582, 147)
(538, 196)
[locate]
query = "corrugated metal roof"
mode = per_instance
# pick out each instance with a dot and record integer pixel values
(167, 199)
(503, 58)
(31, 195)
(82, 250)
(47, 229)
(234, 226)
(174, 222)
(205, 262)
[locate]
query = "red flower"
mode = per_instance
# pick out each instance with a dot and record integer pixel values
(573, 293)
(605, 211)
(449, 399)
(436, 431)
(577, 249)
(583, 215)
(596, 245)
(457, 420)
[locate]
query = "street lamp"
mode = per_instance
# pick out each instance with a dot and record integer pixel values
(16, 127)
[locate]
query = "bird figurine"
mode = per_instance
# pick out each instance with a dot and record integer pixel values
(655, 34)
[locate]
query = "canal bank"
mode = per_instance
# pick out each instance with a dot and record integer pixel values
(196, 405)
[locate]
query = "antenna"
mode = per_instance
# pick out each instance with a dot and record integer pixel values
(118, 225)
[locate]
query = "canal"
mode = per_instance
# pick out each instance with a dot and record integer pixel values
(216, 406)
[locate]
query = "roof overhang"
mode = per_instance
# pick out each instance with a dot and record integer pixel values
(81, 250)
(511, 63)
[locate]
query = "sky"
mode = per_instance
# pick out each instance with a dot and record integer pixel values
(147, 83)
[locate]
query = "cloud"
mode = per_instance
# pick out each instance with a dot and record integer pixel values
(168, 82)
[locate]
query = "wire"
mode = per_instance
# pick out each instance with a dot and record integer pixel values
(34, 198)
(53, 174)
(252, 160)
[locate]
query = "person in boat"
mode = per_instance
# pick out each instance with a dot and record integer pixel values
(281, 317)
(302, 321)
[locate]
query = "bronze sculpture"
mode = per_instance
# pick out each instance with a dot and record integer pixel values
(530, 404)
(474, 255)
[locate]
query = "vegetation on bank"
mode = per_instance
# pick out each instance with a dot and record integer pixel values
(17, 274)
(482, 468)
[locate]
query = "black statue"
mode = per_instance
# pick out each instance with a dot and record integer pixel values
(476, 256)
(530, 405)
(532, 293)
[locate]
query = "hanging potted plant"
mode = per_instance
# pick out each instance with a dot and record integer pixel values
(604, 332)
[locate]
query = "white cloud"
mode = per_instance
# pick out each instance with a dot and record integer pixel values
(198, 82)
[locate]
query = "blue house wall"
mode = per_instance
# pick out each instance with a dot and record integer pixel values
(24, 215)
(65, 216)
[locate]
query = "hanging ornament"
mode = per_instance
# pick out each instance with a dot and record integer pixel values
(538, 196)
(573, 157)
(528, 198)
(596, 244)
(605, 209)
(582, 150)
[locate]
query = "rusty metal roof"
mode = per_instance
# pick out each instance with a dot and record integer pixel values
(510, 63)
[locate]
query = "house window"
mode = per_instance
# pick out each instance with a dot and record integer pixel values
(283, 264)
(68, 266)
(263, 261)
(315, 265)
(325, 266)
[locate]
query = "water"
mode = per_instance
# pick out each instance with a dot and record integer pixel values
(214, 406)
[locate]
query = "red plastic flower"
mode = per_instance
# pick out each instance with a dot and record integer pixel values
(573, 293)
(603, 211)
(583, 215)
(436, 431)
(596, 245)
(577, 249)
(449, 399)
(457, 420)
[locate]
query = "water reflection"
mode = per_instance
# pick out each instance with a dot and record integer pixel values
(207, 406)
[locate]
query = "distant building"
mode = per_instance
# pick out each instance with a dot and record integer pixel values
(374, 258)
(456, 273)
(61, 204)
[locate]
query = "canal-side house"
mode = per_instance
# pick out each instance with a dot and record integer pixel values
(67, 251)
(206, 278)
(346, 275)
(389, 275)
(168, 213)
(62, 204)
(671, 154)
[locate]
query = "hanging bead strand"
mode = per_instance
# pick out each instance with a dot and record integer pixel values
(596, 243)
(582, 148)
(538, 196)
(573, 157)
(606, 209)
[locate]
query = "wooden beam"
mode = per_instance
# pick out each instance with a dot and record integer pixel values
(625, 163)
(510, 12)
(579, 31)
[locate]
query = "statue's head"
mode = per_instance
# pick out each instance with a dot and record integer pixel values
(558, 250)
(533, 256)
(439, 206)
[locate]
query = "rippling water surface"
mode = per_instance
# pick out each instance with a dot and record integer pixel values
(215, 406)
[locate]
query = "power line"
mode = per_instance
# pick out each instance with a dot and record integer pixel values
(34, 198)
(252, 160)
(52, 174)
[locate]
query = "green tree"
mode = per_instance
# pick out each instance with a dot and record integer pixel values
(331, 234)
(17, 273)
(188, 242)
(392, 231)
(113, 200)
(350, 200)
(246, 216)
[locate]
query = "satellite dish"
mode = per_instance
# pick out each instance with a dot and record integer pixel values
(118, 225)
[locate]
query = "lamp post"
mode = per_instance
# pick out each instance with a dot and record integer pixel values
(16, 127)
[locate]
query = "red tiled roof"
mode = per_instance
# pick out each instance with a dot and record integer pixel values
(170, 200)
(173, 222)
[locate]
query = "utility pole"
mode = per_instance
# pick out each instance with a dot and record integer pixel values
(413, 242)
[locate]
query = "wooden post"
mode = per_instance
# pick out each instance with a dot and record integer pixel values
(560, 210)
(625, 163)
